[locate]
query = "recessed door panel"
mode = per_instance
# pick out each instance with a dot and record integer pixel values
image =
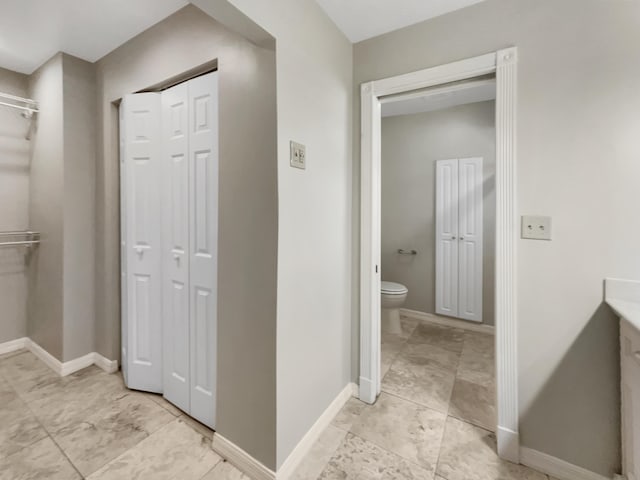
(142, 334)
(203, 152)
(179, 183)
(141, 201)
(141, 241)
(178, 330)
(175, 261)
(202, 201)
(204, 305)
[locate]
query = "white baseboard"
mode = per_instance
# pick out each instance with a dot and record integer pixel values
(304, 446)
(449, 322)
(13, 345)
(555, 467)
(240, 459)
(508, 444)
(256, 470)
(52, 362)
(77, 364)
(61, 368)
(109, 366)
(367, 391)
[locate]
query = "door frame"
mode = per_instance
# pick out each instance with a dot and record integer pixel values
(504, 64)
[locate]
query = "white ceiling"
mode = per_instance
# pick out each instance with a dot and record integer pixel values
(362, 19)
(439, 99)
(32, 31)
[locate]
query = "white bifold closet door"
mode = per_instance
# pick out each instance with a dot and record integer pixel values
(141, 241)
(459, 217)
(186, 193)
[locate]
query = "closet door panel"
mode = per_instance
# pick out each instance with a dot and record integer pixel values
(470, 233)
(141, 245)
(175, 259)
(203, 226)
(447, 237)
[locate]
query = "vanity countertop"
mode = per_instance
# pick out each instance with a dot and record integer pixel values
(630, 311)
(623, 296)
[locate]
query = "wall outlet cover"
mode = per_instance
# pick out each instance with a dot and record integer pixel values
(298, 158)
(536, 227)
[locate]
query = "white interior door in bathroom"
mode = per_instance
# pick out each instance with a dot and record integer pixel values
(185, 213)
(459, 217)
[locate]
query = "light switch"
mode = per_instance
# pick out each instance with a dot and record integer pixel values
(536, 227)
(298, 155)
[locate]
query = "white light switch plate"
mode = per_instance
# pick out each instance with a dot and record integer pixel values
(298, 155)
(536, 227)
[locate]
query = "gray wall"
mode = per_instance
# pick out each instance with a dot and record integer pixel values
(61, 306)
(46, 203)
(411, 144)
(314, 66)
(79, 95)
(14, 209)
(248, 215)
(578, 156)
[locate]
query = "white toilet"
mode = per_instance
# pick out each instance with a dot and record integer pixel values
(392, 297)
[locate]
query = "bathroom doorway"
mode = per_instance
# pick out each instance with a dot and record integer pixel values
(375, 95)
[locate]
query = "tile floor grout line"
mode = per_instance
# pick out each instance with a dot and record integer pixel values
(222, 460)
(64, 454)
(387, 450)
(415, 403)
(13, 388)
(472, 424)
(28, 405)
(36, 386)
(447, 414)
(28, 446)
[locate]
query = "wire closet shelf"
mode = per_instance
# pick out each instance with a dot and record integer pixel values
(28, 106)
(26, 239)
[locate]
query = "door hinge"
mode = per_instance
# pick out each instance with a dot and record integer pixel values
(376, 268)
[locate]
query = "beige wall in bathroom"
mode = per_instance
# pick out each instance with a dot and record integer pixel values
(578, 153)
(314, 66)
(248, 209)
(46, 203)
(61, 206)
(411, 145)
(79, 93)
(14, 208)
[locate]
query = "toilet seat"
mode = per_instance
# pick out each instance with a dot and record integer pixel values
(392, 288)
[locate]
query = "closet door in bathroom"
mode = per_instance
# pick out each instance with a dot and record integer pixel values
(175, 256)
(447, 237)
(470, 230)
(141, 241)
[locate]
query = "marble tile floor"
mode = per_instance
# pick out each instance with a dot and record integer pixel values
(88, 425)
(433, 421)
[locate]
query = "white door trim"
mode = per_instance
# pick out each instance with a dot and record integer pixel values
(504, 64)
